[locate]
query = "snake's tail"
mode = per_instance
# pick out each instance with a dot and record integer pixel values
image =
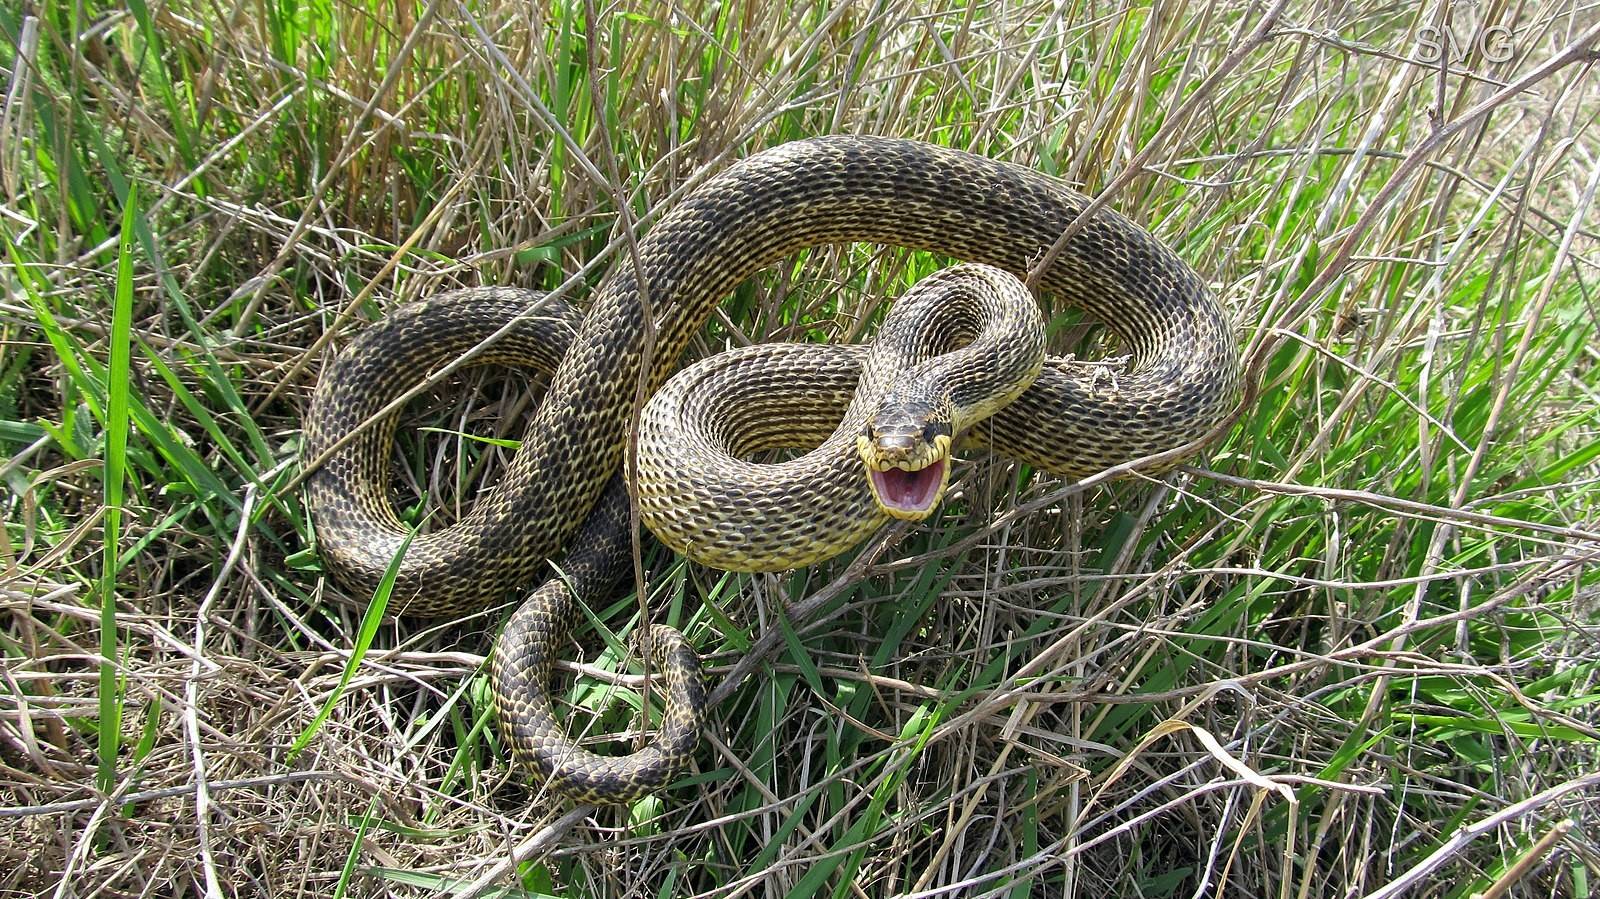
(524, 659)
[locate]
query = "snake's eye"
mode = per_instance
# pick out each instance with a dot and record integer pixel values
(930, 431)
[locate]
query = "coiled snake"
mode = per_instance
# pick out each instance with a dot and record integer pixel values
(563, 485)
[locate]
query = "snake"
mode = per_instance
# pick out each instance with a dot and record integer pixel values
(564, 495)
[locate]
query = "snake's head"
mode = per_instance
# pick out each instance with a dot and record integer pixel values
(905, 447)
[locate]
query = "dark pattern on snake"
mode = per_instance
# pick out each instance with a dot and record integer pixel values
(1180, 384)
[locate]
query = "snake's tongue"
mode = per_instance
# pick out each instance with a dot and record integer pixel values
(909, 494)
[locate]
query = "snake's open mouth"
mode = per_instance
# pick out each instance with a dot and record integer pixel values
(909, 494)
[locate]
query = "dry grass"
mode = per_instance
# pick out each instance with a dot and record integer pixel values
(1352, 651)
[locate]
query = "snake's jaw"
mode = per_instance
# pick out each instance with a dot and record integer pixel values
(907, 474)
(910, 495)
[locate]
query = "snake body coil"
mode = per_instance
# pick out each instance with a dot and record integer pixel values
(960, 346)
(1180, 384)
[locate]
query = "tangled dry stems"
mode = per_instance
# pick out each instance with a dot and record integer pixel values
(1065, 696)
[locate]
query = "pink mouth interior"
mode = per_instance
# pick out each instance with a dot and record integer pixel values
(909, 491)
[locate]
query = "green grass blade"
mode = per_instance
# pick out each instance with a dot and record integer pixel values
(369, 628)
(109, 725)
(354, 856)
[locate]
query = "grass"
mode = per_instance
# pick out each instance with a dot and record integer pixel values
(1352, 650)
